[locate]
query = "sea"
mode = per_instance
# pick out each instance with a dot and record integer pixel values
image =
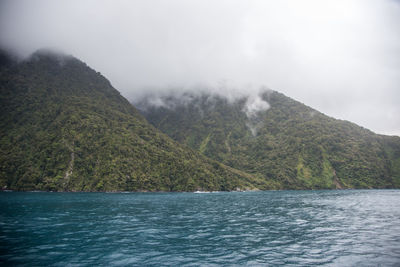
(264, 228)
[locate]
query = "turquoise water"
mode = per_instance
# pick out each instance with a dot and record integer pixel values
(298, 228)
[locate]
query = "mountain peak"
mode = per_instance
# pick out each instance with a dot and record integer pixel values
(65, 128)
(48, 53)
(282, 140)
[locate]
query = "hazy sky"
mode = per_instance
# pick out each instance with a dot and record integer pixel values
(341, 57)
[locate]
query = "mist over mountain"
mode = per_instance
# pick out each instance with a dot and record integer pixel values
(65, 128)
(338, 56)
(229, 132)
(278, 138)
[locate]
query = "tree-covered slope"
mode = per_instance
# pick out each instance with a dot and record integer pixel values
(279, 139)
(64, 127)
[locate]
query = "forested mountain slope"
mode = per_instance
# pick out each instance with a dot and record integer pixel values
(65, 128)
(278, 138)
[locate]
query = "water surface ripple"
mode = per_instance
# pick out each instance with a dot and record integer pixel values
(294, 228)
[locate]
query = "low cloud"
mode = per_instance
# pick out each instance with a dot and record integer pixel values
(254, 105)
(253, 108)
(338, 56)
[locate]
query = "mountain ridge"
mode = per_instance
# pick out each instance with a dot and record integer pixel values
(65, 128)
(286, 141)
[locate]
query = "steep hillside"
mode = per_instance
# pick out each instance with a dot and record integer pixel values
(65, 128)
(278, 138)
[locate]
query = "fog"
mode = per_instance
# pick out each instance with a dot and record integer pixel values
(341, 57)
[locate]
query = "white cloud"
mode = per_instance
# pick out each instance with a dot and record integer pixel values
(339, 56)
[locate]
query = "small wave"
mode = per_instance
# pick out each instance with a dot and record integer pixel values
(201, 192)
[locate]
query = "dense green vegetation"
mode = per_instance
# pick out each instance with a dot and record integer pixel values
(292, 146)
(65, 128)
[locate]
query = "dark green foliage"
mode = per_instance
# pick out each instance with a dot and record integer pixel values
(65, 128)
(295, 147)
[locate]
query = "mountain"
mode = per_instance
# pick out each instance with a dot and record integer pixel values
(65, 128)
(273, 136)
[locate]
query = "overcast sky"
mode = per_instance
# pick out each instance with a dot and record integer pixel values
(341, 57)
